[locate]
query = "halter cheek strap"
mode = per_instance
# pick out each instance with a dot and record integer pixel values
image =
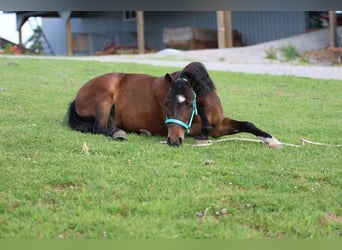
(187, 126)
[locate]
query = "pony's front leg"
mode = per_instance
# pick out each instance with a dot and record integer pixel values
(228, 127)
(205, 124)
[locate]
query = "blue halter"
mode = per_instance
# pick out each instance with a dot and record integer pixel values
(187, 126)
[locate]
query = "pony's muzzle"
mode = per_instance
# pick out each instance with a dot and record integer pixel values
(174, 142)
(175, 135)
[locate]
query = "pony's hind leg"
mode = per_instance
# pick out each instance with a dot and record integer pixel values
(229, 127)
(118, 134)
(105, 123)
(111, 119)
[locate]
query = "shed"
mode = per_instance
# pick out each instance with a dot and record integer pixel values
(71, 32)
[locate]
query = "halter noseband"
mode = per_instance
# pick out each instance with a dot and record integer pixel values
(187, 126)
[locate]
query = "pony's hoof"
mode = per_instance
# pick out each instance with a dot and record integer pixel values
(145, 132)
(201, 137)
(272, 142)
(119, 135)
(276, 146)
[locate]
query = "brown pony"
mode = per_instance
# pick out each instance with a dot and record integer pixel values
(184, 102)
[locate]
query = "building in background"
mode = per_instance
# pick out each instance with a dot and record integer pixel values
(94, 32)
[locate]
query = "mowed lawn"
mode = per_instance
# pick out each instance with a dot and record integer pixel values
(140, 189)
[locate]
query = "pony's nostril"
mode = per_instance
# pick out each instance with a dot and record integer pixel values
(175, 142)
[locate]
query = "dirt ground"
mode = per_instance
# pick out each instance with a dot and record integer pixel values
(324, 56)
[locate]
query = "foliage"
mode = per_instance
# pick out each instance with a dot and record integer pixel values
(35, 40)
(290, 53)
(271, 53)
(8, 49)
(140, 189)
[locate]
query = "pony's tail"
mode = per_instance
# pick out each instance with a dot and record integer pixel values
(76, 122)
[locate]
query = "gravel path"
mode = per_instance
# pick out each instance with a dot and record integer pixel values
(311, 71)
(250, 59)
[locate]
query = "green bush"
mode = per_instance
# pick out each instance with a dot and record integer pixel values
(290, 53)
(271, 53)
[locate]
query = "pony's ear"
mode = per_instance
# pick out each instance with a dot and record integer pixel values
(189, 78)
(168, 78)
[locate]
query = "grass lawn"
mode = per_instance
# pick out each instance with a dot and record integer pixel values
(141, 189)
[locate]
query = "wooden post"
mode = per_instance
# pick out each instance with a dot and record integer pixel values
(221, 31)
(141, 32)
(68, 36)
(224, 29)
(229, 31)
(332, 28)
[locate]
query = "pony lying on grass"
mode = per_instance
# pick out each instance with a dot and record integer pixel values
(180, 103)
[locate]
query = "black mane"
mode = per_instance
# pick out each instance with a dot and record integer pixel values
(181, 87)
(199, 77)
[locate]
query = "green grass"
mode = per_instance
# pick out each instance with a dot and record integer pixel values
(140, 189)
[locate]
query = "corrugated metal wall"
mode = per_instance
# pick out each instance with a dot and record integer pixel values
(111, 26)
(255, 27)
(102, 27)
(98, 26)
(54, 30)
(155, 22)
(258, 27)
